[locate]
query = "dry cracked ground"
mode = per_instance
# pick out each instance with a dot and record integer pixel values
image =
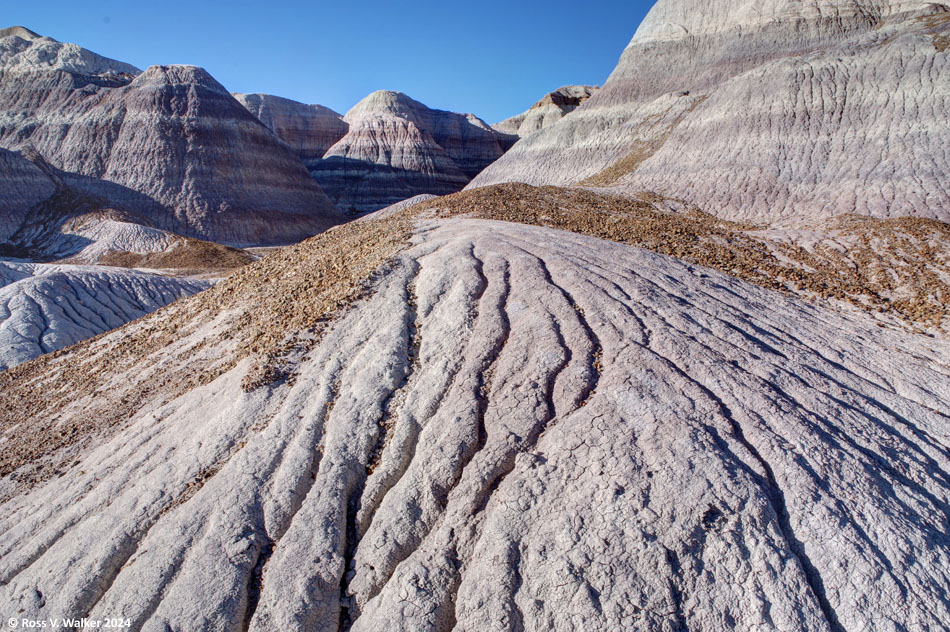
(440, 421)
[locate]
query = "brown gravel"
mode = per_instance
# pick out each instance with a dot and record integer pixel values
(941, 41)
(898, 266)
(190, 256)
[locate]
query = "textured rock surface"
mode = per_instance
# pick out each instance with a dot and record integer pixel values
(309, 130)
(548, 111)
(189, 156)
(779, 111)
(49, 215)
(24, 185)
(517, 428)
(397, 148)
(47, 307)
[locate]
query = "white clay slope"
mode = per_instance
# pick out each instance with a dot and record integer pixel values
(517, 428)
(546, 112)
(47, 307)
(776, 112)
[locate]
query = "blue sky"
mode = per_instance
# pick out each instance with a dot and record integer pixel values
(492, 58)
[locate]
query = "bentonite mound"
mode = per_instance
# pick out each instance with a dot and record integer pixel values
(513, 428)
(548, 111)
(777, 111)
(397, 148)
(50, 215)
(185, 152)
(47, 307)
(309, 130)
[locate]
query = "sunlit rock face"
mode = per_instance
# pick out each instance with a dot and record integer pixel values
(546, 112)
(397, 148)
(188, 155)
(776, 112)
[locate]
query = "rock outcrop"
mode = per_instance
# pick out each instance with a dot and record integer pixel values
(309, 130)
(548, 111)
(50, 216)
(47, 307)
(397, 148)
(24, 185)
(189, 156)
(513, 423)
(776, 112)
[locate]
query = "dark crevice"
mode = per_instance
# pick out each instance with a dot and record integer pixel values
(349, 611)
(676, 593)
(596, 349)
(921, 435)
(448, 386)
(777, 498)
(775, 495)
(516, 623)
(255, 580)
(483, 373)
(392, 403)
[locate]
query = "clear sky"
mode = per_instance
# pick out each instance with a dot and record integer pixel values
(493, 58)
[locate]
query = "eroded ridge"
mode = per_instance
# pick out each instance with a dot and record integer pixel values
(512, 424)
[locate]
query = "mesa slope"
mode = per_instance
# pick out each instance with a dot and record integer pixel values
(508, 424)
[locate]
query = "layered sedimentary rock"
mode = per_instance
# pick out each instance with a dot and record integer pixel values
(47, 307)
(548, 111)
(51, 215)
(397, 148)
(511, 424)
(774, 112)
(184, 153)
(309, 130)
(24, 185)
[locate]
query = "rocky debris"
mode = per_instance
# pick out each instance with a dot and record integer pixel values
(184, 256)
(775, 112)
(183, 152)
(397, 148)
(898, 267)
(511, 423)
(309, 130)
(48, 307)
(548, 111)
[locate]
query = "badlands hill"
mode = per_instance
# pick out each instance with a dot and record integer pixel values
(435, 419)
(388, 148)
(47, 215)
(309, 130)
(169, 143)
(779, 111)
(396, 148)
(526, 408)
(548, 111)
